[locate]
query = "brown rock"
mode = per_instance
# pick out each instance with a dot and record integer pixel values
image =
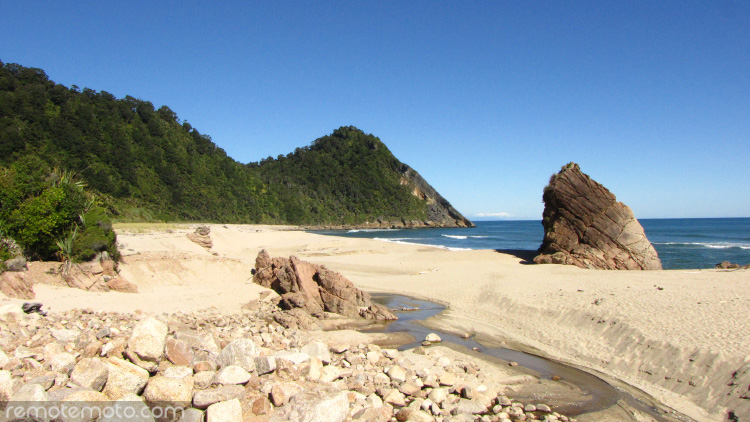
(119, 284)
(262, 406)
(202, 237)
(315, 288)
(16, 285)
(178, 352)
(584, 225)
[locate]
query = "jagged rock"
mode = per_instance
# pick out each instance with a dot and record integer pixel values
(16, 285)
(202, 237)
(584, 225)
(315, 288)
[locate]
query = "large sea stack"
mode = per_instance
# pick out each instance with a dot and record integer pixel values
(584, 225)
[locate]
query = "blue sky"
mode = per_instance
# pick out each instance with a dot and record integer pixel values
(485, 99)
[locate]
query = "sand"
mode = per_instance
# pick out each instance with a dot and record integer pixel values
(681, 336)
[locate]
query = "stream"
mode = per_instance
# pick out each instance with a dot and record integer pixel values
(595, 394)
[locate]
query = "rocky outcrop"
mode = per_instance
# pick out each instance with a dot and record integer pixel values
(16, 285)
(98, 275)
(584, 225)
(440, 213)
(202, 237)
(314, 288)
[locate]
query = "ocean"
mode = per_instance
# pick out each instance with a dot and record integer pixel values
(682, 243)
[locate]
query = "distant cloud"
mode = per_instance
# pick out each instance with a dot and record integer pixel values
(495, 214)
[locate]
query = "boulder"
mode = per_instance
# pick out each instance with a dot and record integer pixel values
(90, 373)
(585, 226)
(178, 352)
(241, 352)
(124, 378)
(16, 285)
(314, 405)
(315, 289)
(225, 411)
(148, 339)
(232, 375)
(168, 390)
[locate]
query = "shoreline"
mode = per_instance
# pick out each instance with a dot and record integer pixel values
(617, 323)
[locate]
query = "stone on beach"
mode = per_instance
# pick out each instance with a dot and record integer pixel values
(584, 225)
(315, 288)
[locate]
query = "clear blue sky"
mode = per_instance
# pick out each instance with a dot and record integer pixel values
(485, 99)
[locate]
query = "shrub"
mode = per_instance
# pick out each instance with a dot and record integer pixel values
(95, 236)
(40, 220)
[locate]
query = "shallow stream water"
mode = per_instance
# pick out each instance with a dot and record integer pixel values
(595, 393)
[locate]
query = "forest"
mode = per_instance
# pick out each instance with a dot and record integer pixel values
(144, 163)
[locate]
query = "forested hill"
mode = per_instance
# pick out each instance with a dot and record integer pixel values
(148, 165)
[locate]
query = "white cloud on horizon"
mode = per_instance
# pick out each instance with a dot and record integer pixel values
(495, 214)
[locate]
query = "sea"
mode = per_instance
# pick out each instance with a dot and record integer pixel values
(682, 243)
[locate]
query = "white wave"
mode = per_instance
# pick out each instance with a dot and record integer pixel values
(479, 237)
(373, 230)
(452, 236)
(401, 242)
(710, 245)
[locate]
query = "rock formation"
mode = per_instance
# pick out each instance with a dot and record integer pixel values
(202, 237)
(315, 289)
(440, 213)
(584, 225)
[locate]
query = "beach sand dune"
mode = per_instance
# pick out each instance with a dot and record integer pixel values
(681, 336)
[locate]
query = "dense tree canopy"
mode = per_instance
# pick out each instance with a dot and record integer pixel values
(148, 165)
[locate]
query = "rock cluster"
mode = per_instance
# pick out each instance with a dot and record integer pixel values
(315, 289)
(584, 225)
(202, 237)
(214, 367)
(726, 265)
(98, 275)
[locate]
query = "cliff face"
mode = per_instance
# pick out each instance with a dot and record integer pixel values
(584, 225)
(440, 213)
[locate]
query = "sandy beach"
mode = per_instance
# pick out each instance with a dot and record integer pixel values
(681, 336)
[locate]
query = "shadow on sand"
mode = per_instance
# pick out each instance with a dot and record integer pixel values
(526, 256)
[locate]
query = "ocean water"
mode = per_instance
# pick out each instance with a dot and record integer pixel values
(684, 243)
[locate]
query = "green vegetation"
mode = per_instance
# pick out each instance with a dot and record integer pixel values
(145, 164)
(49, 213)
